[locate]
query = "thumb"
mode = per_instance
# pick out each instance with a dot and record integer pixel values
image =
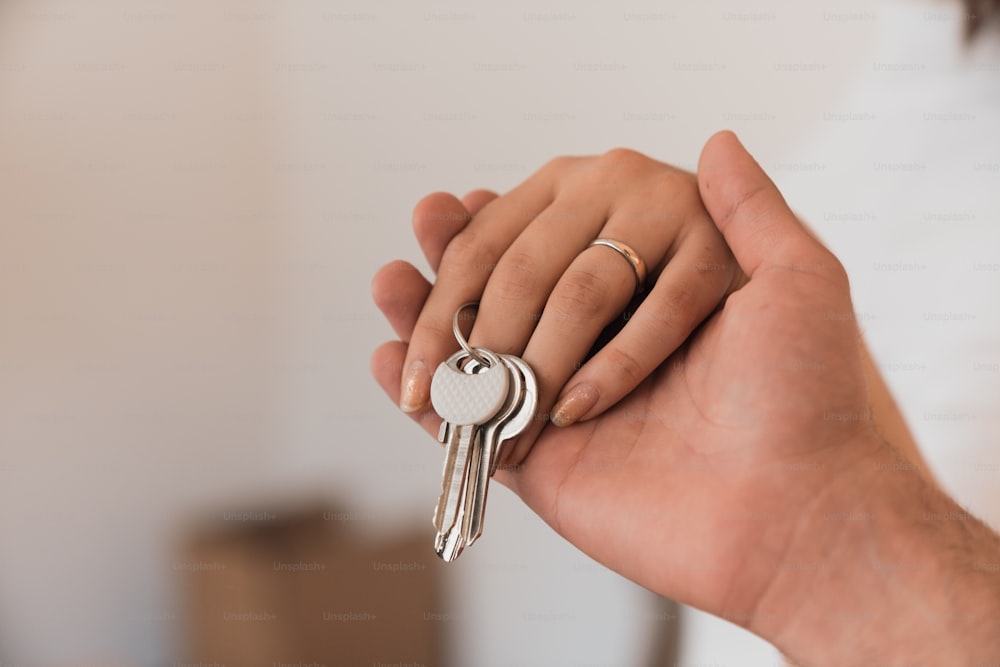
(747, 208)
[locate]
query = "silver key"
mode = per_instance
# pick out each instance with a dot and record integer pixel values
(522, 418)
(510, 422)
(465, 400)
(481, 457)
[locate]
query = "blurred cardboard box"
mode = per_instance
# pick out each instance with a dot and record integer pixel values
(304, 590)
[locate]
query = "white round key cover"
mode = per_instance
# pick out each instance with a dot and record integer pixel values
(466, 399)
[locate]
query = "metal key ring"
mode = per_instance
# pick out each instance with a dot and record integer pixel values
(470, 365)
(472, 352)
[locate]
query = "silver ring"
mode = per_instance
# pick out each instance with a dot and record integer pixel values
(626, 251)
(471, 351)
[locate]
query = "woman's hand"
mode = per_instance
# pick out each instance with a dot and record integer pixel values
(546, 296)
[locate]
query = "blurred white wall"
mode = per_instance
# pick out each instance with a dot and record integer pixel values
(140, 301)
(193, 199)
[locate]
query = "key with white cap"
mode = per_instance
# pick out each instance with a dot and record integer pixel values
(510, 421)
(465, 400)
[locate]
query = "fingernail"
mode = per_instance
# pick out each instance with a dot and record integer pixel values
(416, 388)
(575, 404)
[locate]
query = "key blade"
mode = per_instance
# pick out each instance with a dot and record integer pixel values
(449, 543)
(490, 435)
(453, 480)
(475, 498)
(448, 437)
(477, 509)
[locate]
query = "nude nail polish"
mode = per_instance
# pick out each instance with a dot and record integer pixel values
(416, 388)
(575, 404)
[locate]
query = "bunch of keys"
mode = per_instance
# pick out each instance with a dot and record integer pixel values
(484, 399)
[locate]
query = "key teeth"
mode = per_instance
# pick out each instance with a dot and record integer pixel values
(448, 546)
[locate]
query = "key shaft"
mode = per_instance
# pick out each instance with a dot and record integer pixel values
(450, 538)
(482, 457)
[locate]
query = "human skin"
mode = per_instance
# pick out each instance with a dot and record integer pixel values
(746, 476)
(546, 297)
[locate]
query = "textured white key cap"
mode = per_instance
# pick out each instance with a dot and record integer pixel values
(468, 398)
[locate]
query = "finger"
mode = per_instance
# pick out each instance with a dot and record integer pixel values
(437, 218)
(400, 290)
(594, 290)
(477, 199)
(464, 269)
(750, 212)
(691, 286)
(386, 367)
(526, 274)
(649, 225)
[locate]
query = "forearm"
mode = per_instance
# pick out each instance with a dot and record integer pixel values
(888, 571)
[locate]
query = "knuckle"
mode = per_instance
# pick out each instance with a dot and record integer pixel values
(626, 366)
(821, 264)
(748, 205)
(624, 157)
(516, 276)
(555, 167)
(431, 327)
(580, 296)
(561, 213)
(837, 271)
(677, 186)
(680, 305)
(625, 161)
(715, 266)
(467, 255)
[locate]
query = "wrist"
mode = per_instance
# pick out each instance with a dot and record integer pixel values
(885, 568)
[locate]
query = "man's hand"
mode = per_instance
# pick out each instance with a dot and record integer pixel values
(714, 479)
(672, 485)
